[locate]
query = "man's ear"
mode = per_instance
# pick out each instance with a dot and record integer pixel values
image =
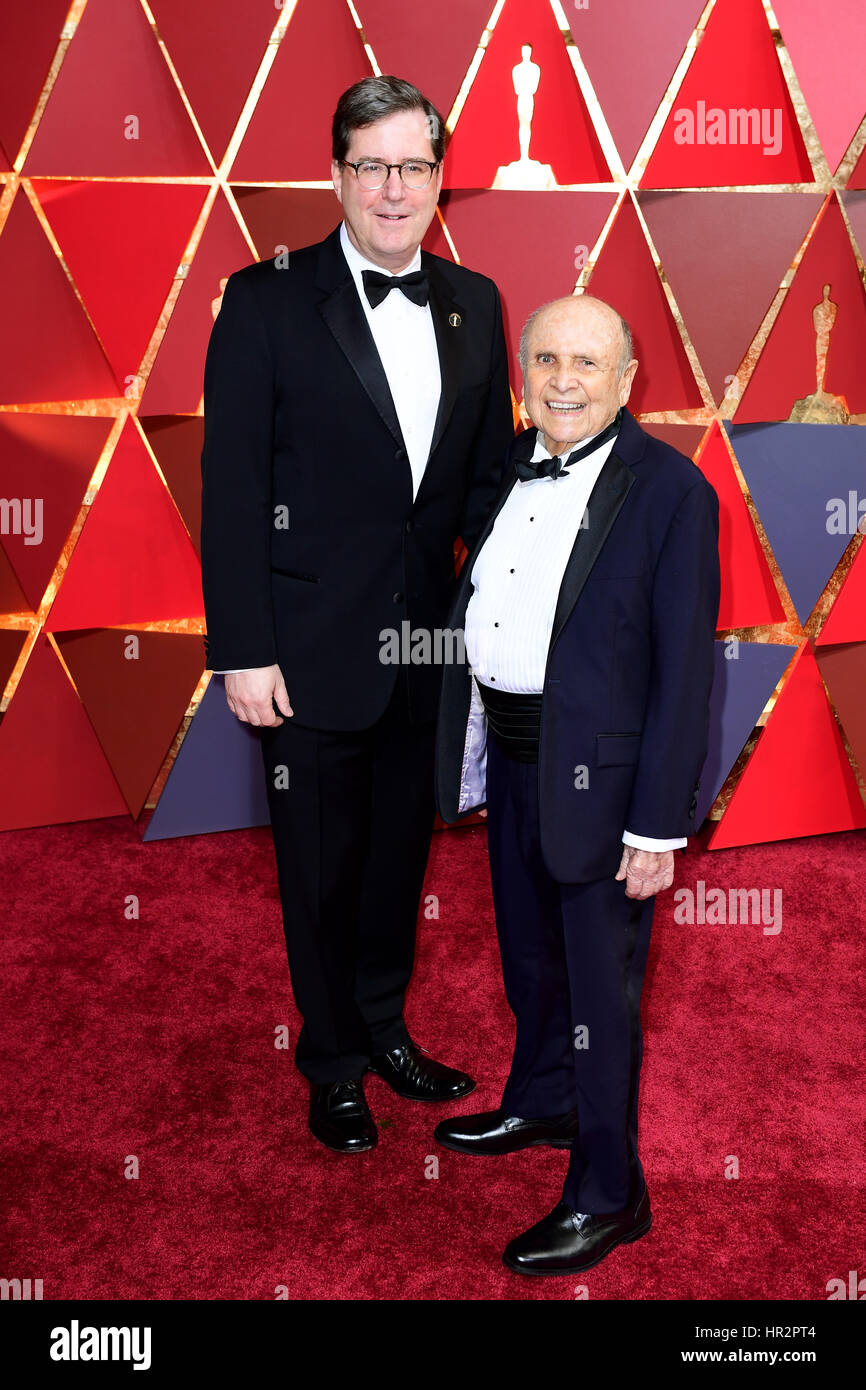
(625, 381)
(337, 179)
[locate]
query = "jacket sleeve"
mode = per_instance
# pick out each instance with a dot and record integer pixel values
(236, 466)
(685, 606)
(494, 435)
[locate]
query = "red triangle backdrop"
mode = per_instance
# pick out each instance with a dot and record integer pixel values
(134, 561)
(626, 276)
(785, 370)
(562, 131)
(111, 276)
(123, 243)
(847, 620)
(735, 69)
(52, 768)
(798, 780)
(749, 597)
(114, 110)
(289, 136)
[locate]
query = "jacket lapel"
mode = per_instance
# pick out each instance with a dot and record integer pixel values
(609, 493)
(611, 489)
(448, 321)
(346, 320)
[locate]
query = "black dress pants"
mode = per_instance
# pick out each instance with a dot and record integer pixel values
(573, 962)
(352, 816)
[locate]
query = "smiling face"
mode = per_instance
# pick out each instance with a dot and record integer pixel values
(572, 384)
(388, 224)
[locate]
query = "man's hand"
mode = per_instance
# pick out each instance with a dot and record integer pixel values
(645, 871)
(251, 696)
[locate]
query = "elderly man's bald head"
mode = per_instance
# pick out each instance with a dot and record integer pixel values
(576, 355)
(627, 344)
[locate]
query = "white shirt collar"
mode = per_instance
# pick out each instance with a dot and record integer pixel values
(542, 452)
(357, 263)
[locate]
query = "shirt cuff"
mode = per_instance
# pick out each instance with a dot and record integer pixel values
(234, 672)
(657, 846)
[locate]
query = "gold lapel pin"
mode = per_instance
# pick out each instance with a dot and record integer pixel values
(455, 320)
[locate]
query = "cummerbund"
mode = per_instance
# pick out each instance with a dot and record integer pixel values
(514, 721)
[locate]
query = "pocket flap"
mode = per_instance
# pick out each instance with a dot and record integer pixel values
(616, 750)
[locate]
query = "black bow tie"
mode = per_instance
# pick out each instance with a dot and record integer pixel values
(414, 286)
(557, 467)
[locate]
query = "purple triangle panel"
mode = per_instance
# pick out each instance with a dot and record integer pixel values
(806, 481)
(631, 52)
(741, 687)
(218, 778)
(855, 207)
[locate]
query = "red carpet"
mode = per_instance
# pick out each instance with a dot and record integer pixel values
(155, 1038)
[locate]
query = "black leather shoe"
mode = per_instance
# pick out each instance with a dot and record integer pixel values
(340, 1117)
(494, 1132)
(568, 1242)
(415, 1076)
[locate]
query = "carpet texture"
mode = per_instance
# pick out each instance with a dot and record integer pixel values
(154, 1039)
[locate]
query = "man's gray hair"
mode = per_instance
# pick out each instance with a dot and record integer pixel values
(626, 354)
(374, 98)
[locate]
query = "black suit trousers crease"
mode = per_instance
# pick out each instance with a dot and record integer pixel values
(351, 830)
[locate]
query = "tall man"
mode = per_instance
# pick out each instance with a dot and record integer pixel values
(357, 416)
(589, 606)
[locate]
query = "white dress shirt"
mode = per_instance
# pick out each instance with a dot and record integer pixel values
(405, 340)
(516, 580)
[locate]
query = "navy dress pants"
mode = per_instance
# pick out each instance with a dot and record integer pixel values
(573, 962)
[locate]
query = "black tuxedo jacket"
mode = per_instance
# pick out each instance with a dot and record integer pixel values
(625, 703)
(312, 545)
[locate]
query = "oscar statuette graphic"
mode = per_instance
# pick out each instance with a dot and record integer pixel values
(525, 173)
(821, 408)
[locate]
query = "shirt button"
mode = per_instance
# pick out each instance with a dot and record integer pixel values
(495, 624)
(511, 571)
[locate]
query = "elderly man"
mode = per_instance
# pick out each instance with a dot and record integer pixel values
(589, 606)
(357, 414)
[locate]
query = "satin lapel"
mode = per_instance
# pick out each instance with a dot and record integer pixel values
(611, 489)
(449, 323)
(345, 318)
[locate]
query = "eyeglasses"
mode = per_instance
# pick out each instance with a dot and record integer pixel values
(374, 173)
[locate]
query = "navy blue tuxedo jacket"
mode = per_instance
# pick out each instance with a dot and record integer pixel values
(625, 703)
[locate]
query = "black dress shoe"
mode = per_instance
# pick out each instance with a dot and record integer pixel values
(415, 1076)
(340, 1117)
(568, 1242)
(494, 1132)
